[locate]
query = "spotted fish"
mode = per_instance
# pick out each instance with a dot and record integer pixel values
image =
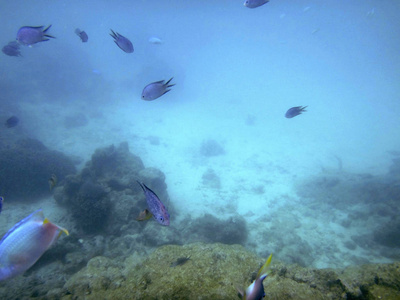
(155, 206)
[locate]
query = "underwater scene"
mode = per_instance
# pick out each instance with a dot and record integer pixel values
(210, 149)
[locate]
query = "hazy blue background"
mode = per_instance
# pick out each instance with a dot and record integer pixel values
(230, 64)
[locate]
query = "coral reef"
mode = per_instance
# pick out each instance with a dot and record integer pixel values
(211, 179)
(105, 195)
(26, 168)
(215, 271)
(211, 147)
(212, 230)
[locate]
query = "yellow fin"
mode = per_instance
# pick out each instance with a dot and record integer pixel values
(63, 230)
(264, 269)
(45, 221)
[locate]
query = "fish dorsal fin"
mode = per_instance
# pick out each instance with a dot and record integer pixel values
(265, 268)
(35, 216)
(45, 221)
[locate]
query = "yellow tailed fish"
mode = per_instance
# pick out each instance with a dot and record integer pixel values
(255, 291)
(144, 215)
(25, 243)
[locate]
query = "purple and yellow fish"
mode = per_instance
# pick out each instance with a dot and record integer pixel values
(255, 291)
(155, 206)
(25, 243)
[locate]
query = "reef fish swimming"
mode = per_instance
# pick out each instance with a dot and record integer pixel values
(295, 111)
(12, 49)
(156, 89)
(25, 243)
(29, 35)
(254, 3)
(12, 122)
(255, 291)
(83, 35)
(155, 206)
(122, 42)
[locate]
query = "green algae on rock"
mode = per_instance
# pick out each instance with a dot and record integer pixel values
(215, 271)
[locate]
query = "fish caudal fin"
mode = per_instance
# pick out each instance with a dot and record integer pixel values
(265, 268)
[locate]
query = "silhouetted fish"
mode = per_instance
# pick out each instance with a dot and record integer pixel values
(155, 206)
(12, 49)
(29, 35)
(295, 111)
(84, 37)
(180, 261)
(12, 122)
(254, 3)
(156, 89)
(122, 42)
(52, 181)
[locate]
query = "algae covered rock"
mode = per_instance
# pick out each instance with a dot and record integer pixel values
(215, 271)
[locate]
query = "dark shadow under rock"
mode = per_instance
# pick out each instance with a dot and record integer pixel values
(27, 166)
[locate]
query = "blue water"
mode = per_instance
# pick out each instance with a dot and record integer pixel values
(237, 71)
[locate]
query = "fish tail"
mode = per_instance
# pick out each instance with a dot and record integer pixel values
(141, 185)
(265, 268)
(169, 82)
(113, 34)
(47, 28)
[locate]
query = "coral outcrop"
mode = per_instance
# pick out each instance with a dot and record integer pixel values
(27, 165)
(215, 271)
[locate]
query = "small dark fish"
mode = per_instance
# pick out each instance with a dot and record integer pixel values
(12, 49)
(156, 89)
(52, 181)
(83, 35)
(295, 111)
(144, 215)
(29, 35)
(122, 42)
(155, 206)
(12, 122)
(180, 261)
(254, 3)
(1, 203)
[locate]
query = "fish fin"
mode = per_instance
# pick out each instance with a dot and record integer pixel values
(61, 231)
(45, 221)
(49, 36)
(141, 185)
(166, 91)
(263, 272)
(169, 81)
(160, 82)
(113, 34)
(241, 292)
(47, 28)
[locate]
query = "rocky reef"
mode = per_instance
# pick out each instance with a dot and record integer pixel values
(216, 271)
(27, 165)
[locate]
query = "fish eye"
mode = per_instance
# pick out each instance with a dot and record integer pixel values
(161, 219)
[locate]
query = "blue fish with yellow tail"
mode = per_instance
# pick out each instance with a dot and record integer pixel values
(25, 243)
(255, 291)
(155, 206)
